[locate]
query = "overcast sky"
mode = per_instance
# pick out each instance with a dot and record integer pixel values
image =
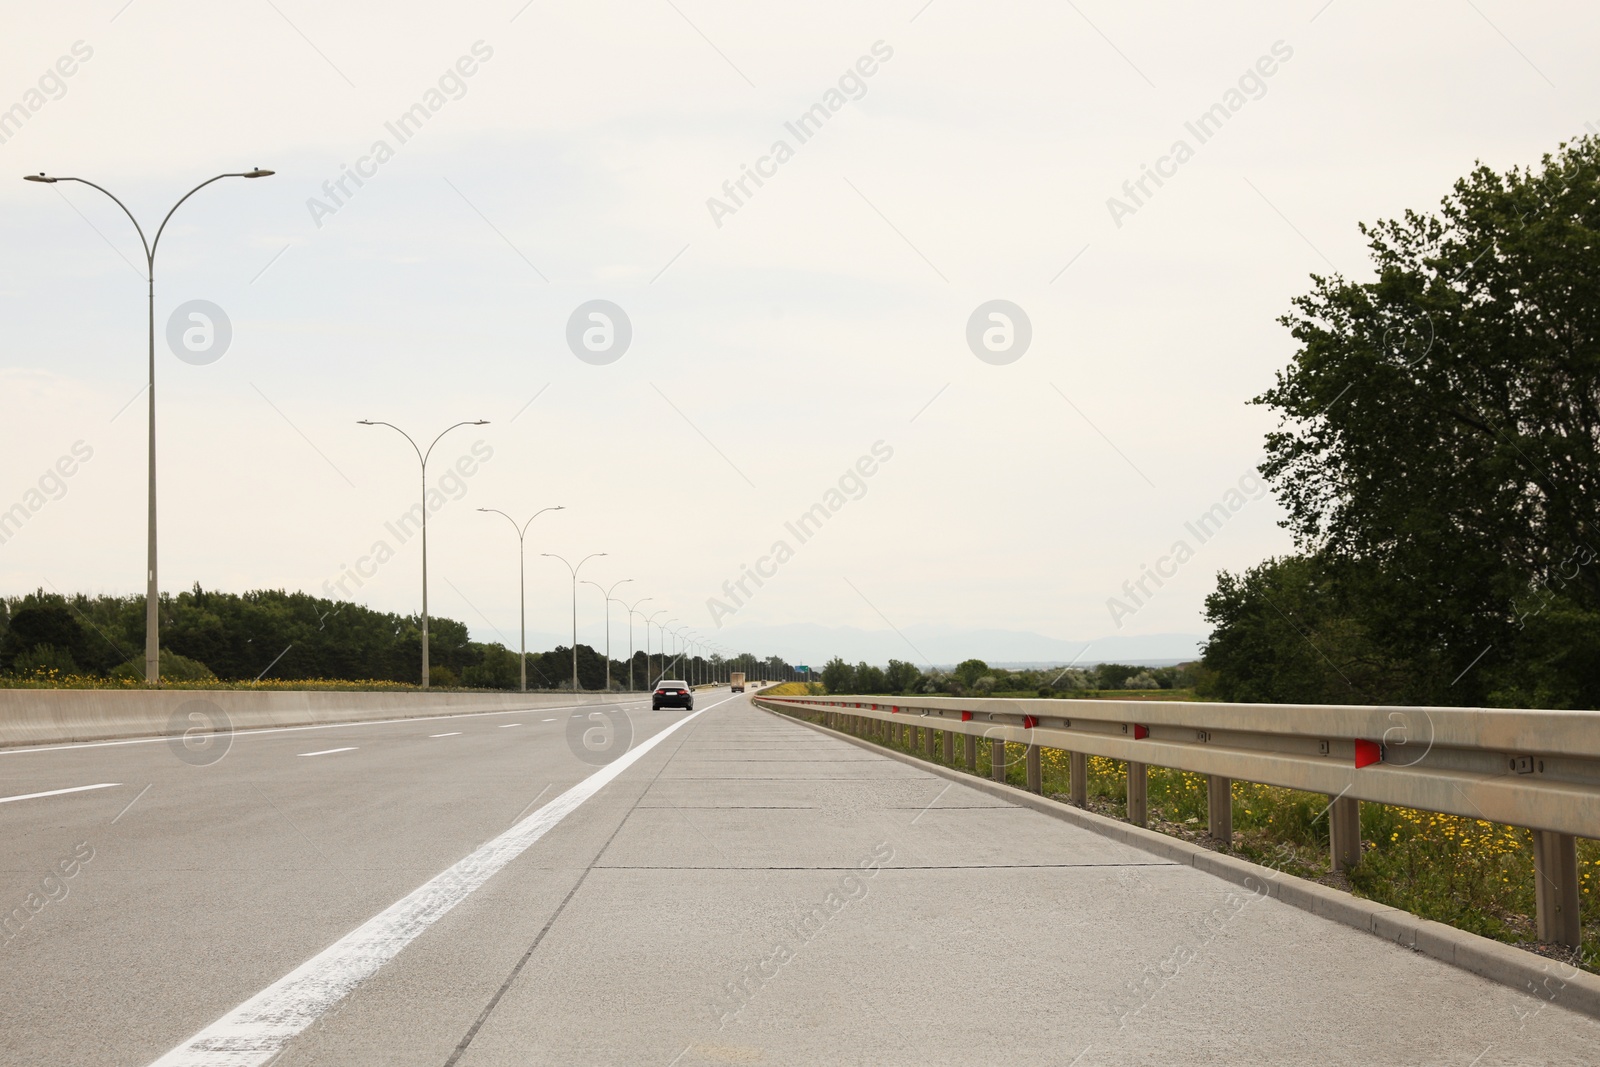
(556, 154)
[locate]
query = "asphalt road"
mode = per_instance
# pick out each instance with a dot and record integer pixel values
(737, 888)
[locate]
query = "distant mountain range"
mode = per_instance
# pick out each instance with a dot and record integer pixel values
(945, 646)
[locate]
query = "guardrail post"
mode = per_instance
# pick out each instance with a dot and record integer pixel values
(997, 759)
(1138, 794)
(1555, 873)
(1219, 808)
(1078, 778)
(971, 752)
(928, 741)
(948, 742)
(1035, 774)
(1344, 832)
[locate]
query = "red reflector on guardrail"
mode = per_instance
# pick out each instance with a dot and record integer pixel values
(966, 716)
(1368, 753)
(1029, 722)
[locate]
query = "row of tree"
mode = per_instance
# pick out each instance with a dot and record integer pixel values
(1438, 454)
(975, 677)
(277, 634)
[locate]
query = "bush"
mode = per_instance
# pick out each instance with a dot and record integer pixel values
(44, 659)
(173, 667)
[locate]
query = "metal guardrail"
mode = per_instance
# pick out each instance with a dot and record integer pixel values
(1534, 769)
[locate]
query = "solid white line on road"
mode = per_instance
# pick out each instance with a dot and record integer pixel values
(58, 792)
(456, 733)
(329, 751)
(257, 1030)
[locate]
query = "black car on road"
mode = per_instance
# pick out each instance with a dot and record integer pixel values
(672, 694)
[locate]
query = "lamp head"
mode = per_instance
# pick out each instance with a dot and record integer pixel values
(365, 422)
(40, 177)
(258, 173)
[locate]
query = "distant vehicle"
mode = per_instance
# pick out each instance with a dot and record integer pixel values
(672, 693)
(738, 681)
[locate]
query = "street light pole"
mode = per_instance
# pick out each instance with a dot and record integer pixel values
(574, 571)
(631, 610)
(647, 668)
(522, 581)
(152, 604)
(607, 594)
(422, 458)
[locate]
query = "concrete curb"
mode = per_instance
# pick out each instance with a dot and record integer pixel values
(1546, 980)
(69, 716)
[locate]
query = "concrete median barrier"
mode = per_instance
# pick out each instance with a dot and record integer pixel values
(56, 716)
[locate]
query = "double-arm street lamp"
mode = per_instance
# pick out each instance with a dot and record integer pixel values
(631, 611)
(522, 581)
(664, 633)
(422, 458)
(607, 593)
(680, 645)
(574, 571)
(152, 616)
(649, 672)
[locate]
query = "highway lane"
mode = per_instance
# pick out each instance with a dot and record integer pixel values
(220, 878)
(749, 890)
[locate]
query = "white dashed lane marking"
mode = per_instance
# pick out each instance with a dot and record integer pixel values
(329, 751)
(58, 792)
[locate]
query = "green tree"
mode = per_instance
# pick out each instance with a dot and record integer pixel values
(1439, 444)
(1113, 675)
(43, 623)
(968, 672)
(901, 677)
(838, 676)
(870, 679)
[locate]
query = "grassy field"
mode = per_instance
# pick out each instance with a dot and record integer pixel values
(1468, 873)
(794, 689)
